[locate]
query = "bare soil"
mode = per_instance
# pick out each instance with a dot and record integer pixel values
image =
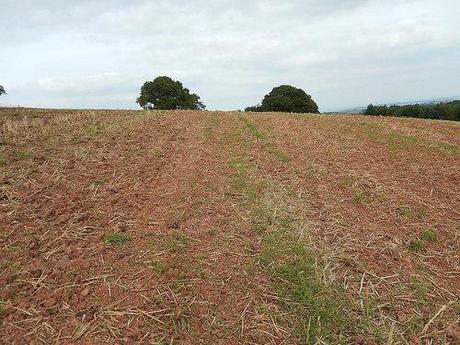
(148, 227)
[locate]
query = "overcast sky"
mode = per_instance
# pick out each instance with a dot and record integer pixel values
(97, 54)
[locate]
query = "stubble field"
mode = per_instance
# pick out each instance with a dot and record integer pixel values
(155, 227)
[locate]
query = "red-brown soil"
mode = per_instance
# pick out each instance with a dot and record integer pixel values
(73, 183)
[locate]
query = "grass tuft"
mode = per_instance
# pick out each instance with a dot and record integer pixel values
(159, 268)
(405, 211)
(430, 235)
(420, 290)
(95, 130)
(417, 245)
(360, 197)
(20, 155)
(117, 239)
(178, 242)
(448, 148)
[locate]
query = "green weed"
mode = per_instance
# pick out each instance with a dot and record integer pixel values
(405, 211)
(417, 245)
(117, 239)
(360, 197)
(180, 323)
(346, 182)
(178, 242)
(95, 130)
(159, 268)
(420, 290)
(430, 235)
(20, 155)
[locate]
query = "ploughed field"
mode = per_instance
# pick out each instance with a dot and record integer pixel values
(154, 227)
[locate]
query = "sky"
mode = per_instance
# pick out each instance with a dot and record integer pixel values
(344, 53)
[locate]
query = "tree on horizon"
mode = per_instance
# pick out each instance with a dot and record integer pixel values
(286, 98)
(168, 94)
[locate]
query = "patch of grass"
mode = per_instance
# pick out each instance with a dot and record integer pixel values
(117, 239)
(99, 182)
(178, 242)
(313, 171)
(456, 307)
(296, 278)
(180, 322)
(317, 307)
(430, 235)
(253, 129)
(212, 124)
(286, 221)
(241, 179)
(372, 131)
(160, 342)
(399, 140)
(420, 290)
(180, 283)
(360, 197)
(369, 309)
(417, 245)
(448, 148)
(346, 182)
(412, 213)
(2, 309)
(156, 153)
(160, 268)
(393, 139)
(95, 130)
(260, 218)
(405, 211)
(275, 152)
(2, 161)
(268, 146)
(20, 155)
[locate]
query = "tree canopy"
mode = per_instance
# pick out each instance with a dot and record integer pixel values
(444, 110)
(286, 98)
(2, 90)
(168, 94)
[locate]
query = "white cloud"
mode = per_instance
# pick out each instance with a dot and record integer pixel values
(343, 52)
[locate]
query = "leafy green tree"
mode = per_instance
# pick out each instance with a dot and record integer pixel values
(2, 90)
(166, 93)
(444, 110)
(286, 98)
(370, 110)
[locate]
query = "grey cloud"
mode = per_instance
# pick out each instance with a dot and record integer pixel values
(230, 52)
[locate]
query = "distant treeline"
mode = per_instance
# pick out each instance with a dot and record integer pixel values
(442, 111)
